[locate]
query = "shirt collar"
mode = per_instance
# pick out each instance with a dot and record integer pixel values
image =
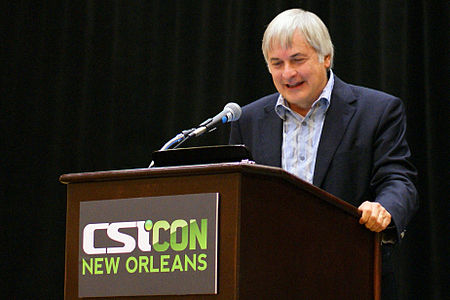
(281, 106)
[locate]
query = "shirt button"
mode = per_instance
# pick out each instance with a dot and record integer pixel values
(304, 123)
(302, 158)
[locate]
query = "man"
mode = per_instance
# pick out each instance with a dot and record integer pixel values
(345, 139)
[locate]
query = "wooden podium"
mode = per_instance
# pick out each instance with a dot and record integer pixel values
(278, 237)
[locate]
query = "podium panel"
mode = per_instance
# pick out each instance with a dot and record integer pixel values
(278, 237)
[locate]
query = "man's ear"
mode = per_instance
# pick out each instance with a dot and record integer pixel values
(327, 61)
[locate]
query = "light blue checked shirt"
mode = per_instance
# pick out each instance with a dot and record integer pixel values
(301, 135)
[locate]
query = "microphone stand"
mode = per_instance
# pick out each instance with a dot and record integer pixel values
(187, 134)
(201, 129)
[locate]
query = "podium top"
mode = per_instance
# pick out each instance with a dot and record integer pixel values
(244, 168)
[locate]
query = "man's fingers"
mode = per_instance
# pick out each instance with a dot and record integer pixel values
(365, 208)
(372, 222)
(378, 225)
(381, 224)
(364, 216)
(374, 216)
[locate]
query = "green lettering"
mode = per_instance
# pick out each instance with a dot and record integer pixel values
(113, 264)
(184, 235)
(197, 235)
(188, 261)
(202, 264)
(152, 269)
(127, 265)
(164, 263)
(87, 266)
(160, 247)
(98, 265)
(143, 263)
(177, 264)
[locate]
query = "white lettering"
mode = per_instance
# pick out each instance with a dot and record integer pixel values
(128, 241)
(88, 238)
(143, 237)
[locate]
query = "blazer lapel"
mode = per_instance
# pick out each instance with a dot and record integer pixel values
(337, 119)
(270, 126)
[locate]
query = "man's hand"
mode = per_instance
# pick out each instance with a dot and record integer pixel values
(374, 216)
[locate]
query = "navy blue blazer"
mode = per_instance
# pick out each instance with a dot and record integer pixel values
(362, 155)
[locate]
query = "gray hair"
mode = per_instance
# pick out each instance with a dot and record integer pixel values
(283, 27)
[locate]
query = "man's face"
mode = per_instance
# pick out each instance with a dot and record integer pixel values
(297, 73)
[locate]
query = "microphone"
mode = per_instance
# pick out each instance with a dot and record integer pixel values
(231, 112)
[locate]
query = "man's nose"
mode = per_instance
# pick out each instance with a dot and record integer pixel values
(289, 72)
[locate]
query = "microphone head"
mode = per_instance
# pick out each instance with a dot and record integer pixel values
(233, 111)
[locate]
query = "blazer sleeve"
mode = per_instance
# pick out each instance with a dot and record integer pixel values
(393, 177)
